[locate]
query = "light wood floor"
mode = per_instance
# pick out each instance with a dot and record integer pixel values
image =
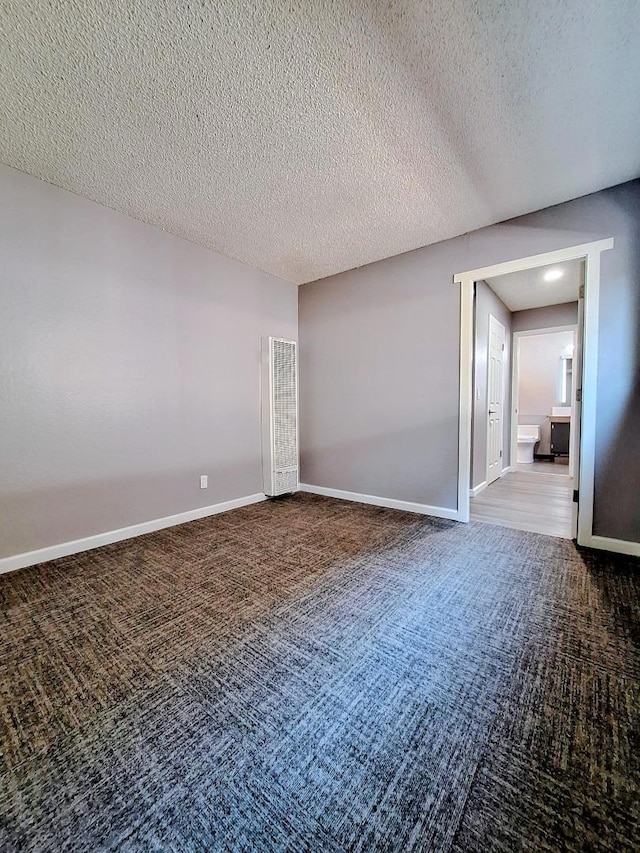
(543, 468)
(541, 503)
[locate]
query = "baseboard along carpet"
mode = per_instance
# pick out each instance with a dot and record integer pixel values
(308, 674)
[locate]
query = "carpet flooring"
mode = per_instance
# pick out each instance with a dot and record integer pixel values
(313, 675)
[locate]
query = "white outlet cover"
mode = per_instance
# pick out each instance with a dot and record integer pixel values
(204, 481)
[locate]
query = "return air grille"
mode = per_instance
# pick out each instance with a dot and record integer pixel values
(279, 416)
(285, 404)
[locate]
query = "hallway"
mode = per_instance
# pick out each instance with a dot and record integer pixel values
(539, 503)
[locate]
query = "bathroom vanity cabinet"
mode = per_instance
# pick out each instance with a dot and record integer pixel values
(560, 435)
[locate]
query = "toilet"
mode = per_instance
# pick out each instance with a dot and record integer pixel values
(528, 437)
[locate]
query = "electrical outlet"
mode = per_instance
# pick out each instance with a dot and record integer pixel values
(204, 482)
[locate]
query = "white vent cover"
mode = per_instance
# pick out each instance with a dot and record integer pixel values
(279, 416)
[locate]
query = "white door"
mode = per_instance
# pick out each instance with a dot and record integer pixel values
(495, 398)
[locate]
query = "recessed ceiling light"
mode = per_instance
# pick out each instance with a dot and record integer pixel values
(553, 275)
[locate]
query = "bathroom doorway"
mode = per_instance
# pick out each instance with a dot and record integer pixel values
(526, 330)
(544, 427)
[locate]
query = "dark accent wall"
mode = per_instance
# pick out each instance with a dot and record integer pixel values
(564, 314)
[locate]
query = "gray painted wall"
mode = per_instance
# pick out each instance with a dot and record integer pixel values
(379, 380)
(130, 366)
(565, 314)
(486, 303)
(379, 360)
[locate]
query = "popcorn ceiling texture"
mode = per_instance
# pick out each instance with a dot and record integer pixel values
(306, 138)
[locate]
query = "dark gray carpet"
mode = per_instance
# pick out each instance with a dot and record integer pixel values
(307, 674)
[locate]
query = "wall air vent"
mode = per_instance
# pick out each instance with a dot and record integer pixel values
(279, 416)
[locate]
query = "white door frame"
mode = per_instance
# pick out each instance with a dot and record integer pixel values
(590, 252)
(515, 381)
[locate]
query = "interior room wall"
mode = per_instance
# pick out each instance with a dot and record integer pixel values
(487, 303)
(565, 314)
(379, 360)
(130, 366)
(539, 381)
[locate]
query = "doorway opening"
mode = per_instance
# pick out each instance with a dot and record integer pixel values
(527, 436)
(521, 471)
(545, 428)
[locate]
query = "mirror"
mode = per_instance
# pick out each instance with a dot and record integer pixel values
(566, 379)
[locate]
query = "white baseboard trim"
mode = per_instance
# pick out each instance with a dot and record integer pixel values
(475, 491)
(390, 503)
(618, 546)
(43, 555)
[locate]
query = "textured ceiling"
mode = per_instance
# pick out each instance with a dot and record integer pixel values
(306, 138)
(528, 289)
